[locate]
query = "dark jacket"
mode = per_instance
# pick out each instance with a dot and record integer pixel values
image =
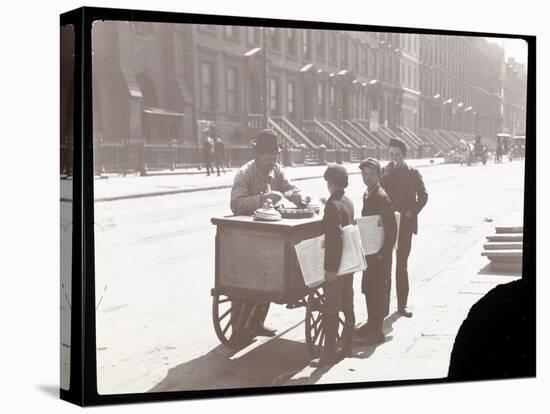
(219, 149)
(338, 213)
(378, 202)
(406, 190)
(208, 147)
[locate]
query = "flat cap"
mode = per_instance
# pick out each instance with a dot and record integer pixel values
(370, 163)
(399, 143)
(337, 175)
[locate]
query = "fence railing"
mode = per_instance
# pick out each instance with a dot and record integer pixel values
(143, 157)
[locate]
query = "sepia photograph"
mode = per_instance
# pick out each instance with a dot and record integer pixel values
(297, 206)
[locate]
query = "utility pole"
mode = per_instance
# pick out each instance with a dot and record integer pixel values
(265, 46)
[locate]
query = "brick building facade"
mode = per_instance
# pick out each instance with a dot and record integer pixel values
(157, 85)
(515, 97)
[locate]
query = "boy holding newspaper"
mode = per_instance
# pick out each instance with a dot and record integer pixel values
(338, 290)
(377, 277)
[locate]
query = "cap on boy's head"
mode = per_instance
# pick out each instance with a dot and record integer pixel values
(266, 142)
(399, 143)
(337, 175)
(370, 163)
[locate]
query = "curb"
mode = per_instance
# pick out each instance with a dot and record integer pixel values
(218, 187)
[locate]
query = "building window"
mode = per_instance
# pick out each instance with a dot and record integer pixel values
(232, 91)
(307, 45)
(275, 39)
(386, 69)
(231, 32)
(291, 42)
(344, 58)
(207, 28)
(355, 57)
(365, 63)
(274, 95)
(291, 96)
(253, 34)
(207, 86)
(332, 96)
(321, 45)
(355, 100)
(332, 48)
(321, 98)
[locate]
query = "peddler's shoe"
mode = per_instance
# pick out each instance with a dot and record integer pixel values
(264, 331)
(406, 312)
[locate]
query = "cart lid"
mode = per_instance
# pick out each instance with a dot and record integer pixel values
(249, 222)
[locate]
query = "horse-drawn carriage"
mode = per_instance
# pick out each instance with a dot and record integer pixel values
(517, 150)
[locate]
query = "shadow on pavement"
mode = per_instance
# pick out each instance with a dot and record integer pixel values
(363, 351)
(389, 321)
(274, 363)
(263, 366)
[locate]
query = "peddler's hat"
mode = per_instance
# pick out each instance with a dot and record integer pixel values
(337, 175)
(266, 142)
(370, 163)
(399, 143)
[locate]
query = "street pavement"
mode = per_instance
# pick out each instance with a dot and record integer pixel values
(155, 269)
(117, 187)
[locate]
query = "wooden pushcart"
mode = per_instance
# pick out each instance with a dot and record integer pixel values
(256, 264)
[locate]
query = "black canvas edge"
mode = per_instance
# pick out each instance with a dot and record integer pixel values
(75, 393)
(83, 389)
(529, 265)
(100, 13)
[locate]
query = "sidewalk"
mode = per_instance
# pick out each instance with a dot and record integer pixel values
(419, 347)
(132, 186)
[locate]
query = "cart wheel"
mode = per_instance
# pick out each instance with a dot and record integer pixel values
(231, 320)
(315, 329)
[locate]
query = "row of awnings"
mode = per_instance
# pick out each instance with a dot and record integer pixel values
(161, 111)
(459, 106)
(310, 67)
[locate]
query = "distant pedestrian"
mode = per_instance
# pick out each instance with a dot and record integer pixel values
(407, 192)
(219, 154)
(499, 150)
(208, 154)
